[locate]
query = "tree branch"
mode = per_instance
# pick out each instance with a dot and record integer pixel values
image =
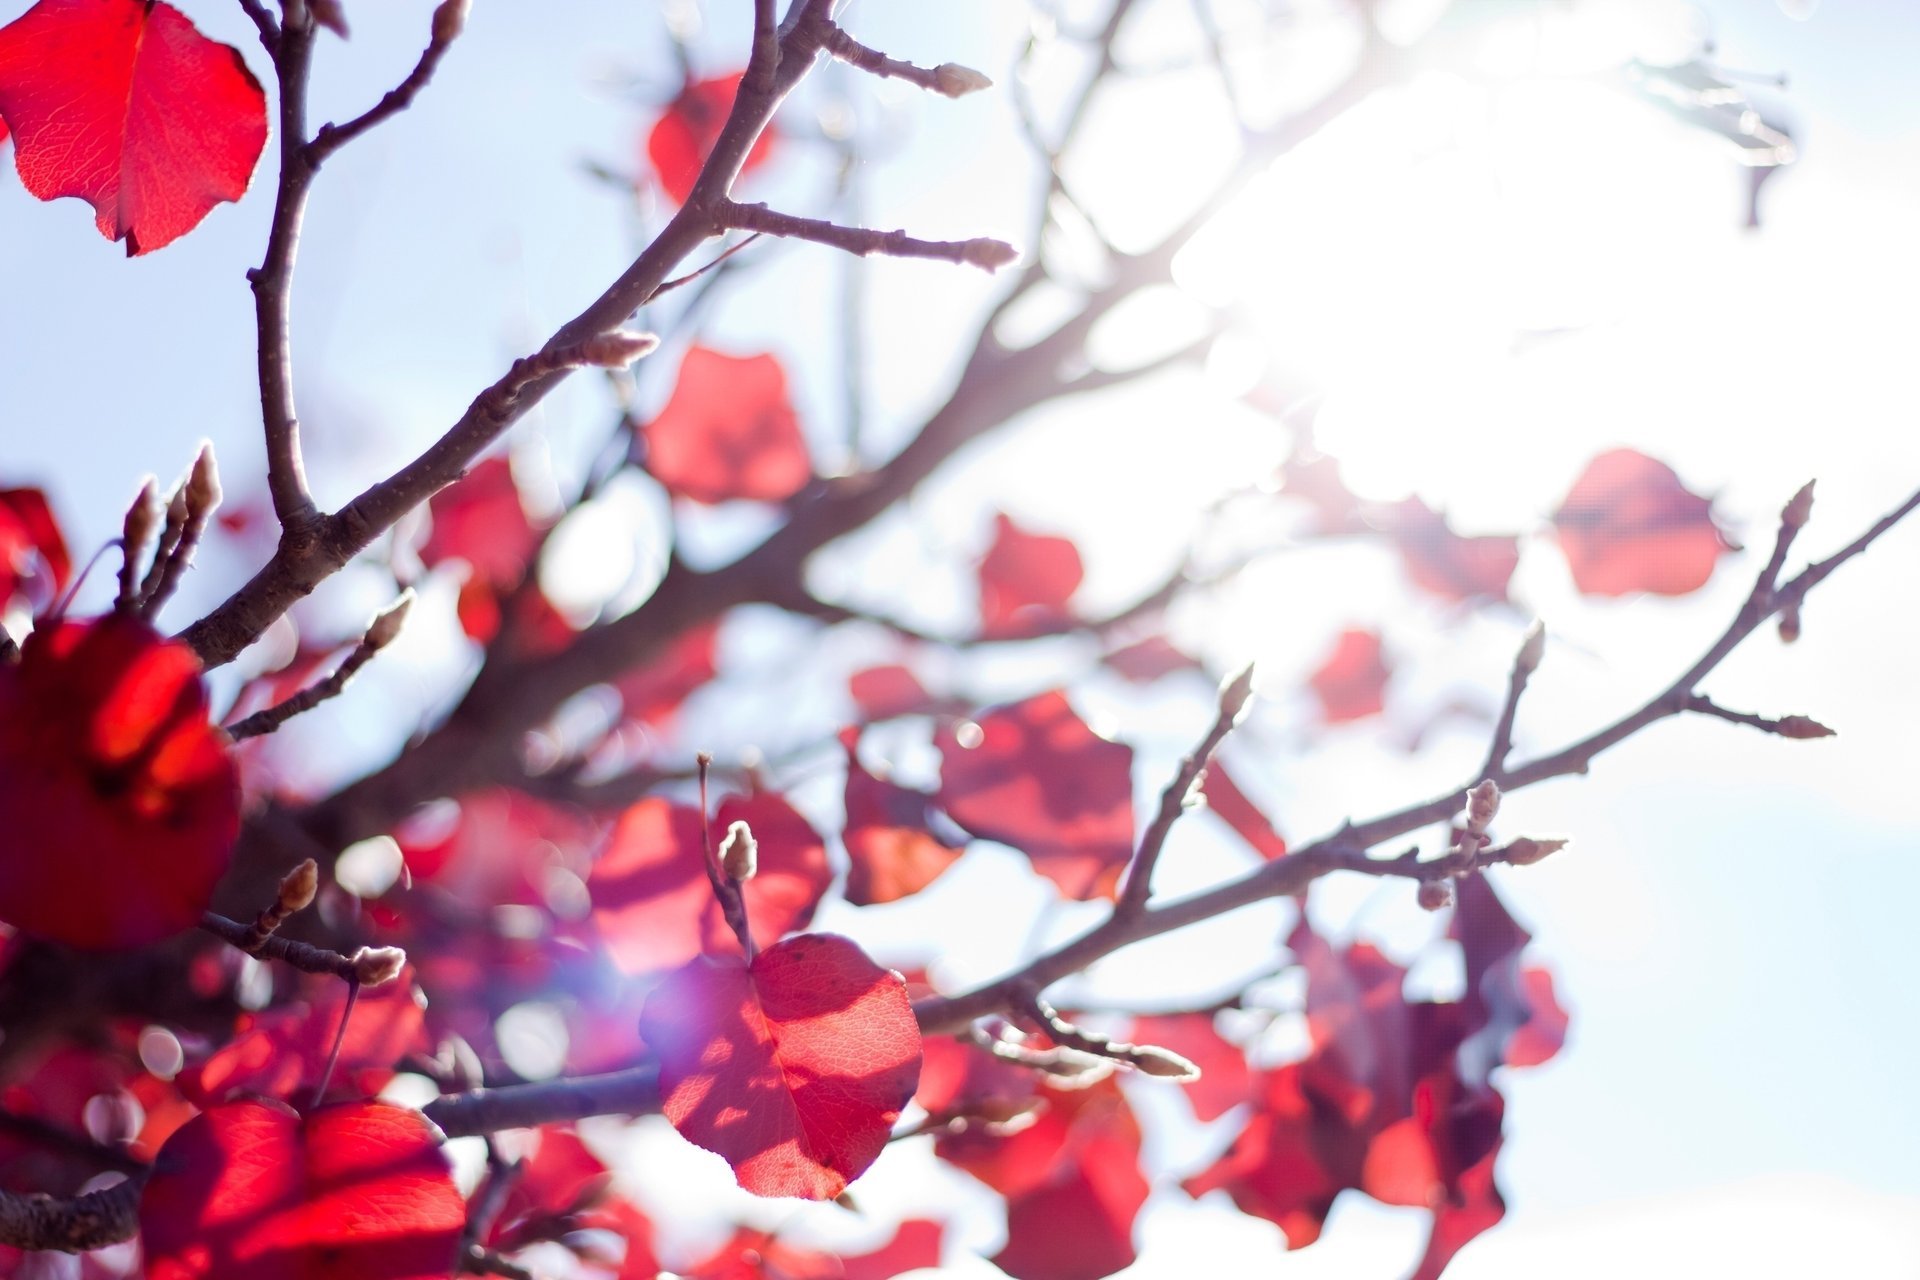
(987, 254)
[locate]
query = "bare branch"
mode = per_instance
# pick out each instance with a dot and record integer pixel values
(949, 78)
(332, 137)
(633, 1092)
(1525, 663)
(369, 966)
(987, 254)
(72, 1225)
(385, 626)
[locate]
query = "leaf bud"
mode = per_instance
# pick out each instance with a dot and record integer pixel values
(1526, 851)
(386, 624)
(739, 853)
(619, 348)
(956, 81)
(1799, 508)
(1483, 802)
(1164, 1063)
(1532, 649)
(1790, 624)
(375, 966)
(449, 20)
(1802, 727)
(298, 886)
(203, 484)
(1435, 895)
(143, 518)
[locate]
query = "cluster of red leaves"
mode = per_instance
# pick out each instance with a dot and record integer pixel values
(125, 105)
(682, 137)
(1396, 1097)
(121, 798)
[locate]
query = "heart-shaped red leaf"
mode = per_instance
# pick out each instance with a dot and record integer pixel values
(728, 431)
(792, 1068)
(1026, 580)
(652, 901)
(1629, 525)
(1042, 781)
(1351, 684)
(253, 1191)
(680, 139)
(121, 800)
(125, 105)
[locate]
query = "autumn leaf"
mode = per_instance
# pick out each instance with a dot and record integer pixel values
(1225, 1080)
(892, 852)
(680, 139)
(1040, 780)
(728, 431)
(1629, 525)
(280, 1053)
(124, 104)
(479, 519)
(1145, 661)
(792, 1068)
(915, 1245)
(1445, 563)
(1230, 804)
(122, 801)
(1026, 580)
(884, 692)
(1351, 683)
(255, 1191)
(651, 694)
(32, 550)
(653, 904)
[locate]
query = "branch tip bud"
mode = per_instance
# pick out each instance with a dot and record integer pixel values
(1483, 802)
(1236, 691)
(203, 483)
(1803, 727)
(450, 19)
(376, 966)
(1435, 895)
(1526, 851)
(1789, 624)
(298, 886)
(739, 853)
(1164, 1063)
(1799, 508)
(142, 518)
(989, 255)
(386, 624)
(956, 81)
(618, 349)
(1532, 649)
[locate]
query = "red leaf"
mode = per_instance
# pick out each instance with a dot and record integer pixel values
(122, 801)
(882, 693)
(253, 1191)
(1026, 580)
(1447, 564)
(1629, 525)
(915, 1245)
(31, 547)
(652, 693)
(758, 1255)
(1545, 1031)
(681, 138)
(893, 855)
(958, 1078)
(561, 1179)
(479, 519)
(281, 1053)
(653, 904)
(1225, 1081)
(1145, 661)
(1231, 805)
(1274, 1168)
(1351, 683)
(124, 104)
(1477, 1207)
(792, 1068)
(728, 431)
(1042, 781)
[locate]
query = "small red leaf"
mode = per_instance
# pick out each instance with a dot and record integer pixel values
(32, 550)
(253, 1191)
(1447, 564)
(479, 519)
(915, 1245)
(122, 801)
(653, 904)
(728, 431)
(1026, 580)
(125, 105)
(1145, 661)
(1230, 804)
(892, 852)
(1042, 781)
(882, 693)
(1351, 684)
(1629, 525)
(683, 135)
(792, 1068)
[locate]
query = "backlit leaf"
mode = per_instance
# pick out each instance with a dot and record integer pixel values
(1026, 580)
(680, 139)
(1629, 524)
(728, 431)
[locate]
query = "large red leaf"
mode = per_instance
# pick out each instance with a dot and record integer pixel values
(479, 519)
(792, 1068)
(1026, 580)
(653, 904)
(1351, 684)
(1629, 525)
(121, 800)
(253, 1191)
(680, 139)
(282, 1052)
(31, 546)
(893, 854)
(1042, 781)
(728, 431)
(125, 105)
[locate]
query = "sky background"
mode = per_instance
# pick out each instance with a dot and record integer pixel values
(1482, 285)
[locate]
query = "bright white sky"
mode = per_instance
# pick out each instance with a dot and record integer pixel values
(1730, 928)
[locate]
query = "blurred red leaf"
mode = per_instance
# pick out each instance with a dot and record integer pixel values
(281, 1053)
(1026, 580)
(1145, 661)
(1629, 524)
(1545, 1031)
(958, 1078)
(561, 1179)
(792, 1068)
(650, 694)
(1225, 1080)
(122, 801)
(1231, 805)
(1351, 684)
(479, 519)
(760, 1255)
(892, 852)
(728, 431)
(125, 105)
(1476, 1207)
(685, 132)
(1449, 565)
(887, 691)
(1315, 480)
(915, 1245)
(653, 904)
(31, 546)
(1042, 781)
(254, 1191)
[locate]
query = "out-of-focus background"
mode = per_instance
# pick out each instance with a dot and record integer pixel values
(1469, 286)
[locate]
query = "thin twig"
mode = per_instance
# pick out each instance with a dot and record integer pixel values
(1525, 663)
(983, 252)
(332, 137)
(385, 626)
(361, 966)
